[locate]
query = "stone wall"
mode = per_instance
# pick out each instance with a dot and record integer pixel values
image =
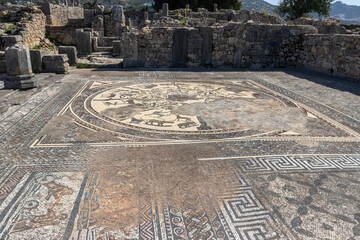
(337, 54)
(233, 45)
(155, 46)
(32, 29)
(226, 16)
(57, 15)
(63, 35)
(324, 26)
(258, 45)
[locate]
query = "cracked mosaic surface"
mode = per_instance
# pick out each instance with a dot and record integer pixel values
(181, 155)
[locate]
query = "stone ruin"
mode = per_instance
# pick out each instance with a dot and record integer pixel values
(170, 38)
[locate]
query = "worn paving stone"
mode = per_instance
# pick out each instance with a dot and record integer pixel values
(180, 155)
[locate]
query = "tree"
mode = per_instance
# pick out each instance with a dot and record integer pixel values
(195, 4)
(293, 9)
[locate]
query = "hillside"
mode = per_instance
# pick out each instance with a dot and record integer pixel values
(258, 5)
(345, 12)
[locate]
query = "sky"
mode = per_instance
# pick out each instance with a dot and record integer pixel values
(349, 2)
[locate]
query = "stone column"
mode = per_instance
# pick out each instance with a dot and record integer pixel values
(118, 14)
(215, 7)
(129, 22)
(18, 68)
(99, 10)
(165, 8)
(98, 25)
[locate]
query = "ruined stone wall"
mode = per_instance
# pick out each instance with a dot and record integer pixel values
(32, 29)
(59, 15)
(337, 54)
(225, 16)
(156, 47)
(324, 26)
(63, 35)
(234, 45)
(258, 45)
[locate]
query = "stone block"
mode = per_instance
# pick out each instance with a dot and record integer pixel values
(117, 48)
(22, 82)
(11, 40)
(83, 42)
(56, 63)
(18, 60)
(71, 53)
(36, 60)
(133, 63)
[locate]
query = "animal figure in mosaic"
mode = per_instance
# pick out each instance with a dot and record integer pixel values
(135, 120)
(186, 124)
(158, 123)
(57, 191)
(179, 117)
(48, 219)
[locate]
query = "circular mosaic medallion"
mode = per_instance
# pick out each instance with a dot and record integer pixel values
(184, 110)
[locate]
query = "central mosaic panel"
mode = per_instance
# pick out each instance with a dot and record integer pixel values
(184, 111)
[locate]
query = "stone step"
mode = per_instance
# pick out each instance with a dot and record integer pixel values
(104, 49)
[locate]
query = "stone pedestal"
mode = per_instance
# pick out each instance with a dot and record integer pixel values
(18, 68)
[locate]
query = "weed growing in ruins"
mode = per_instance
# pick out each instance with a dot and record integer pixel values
(9, 28)
(183, 16)
(8, 16)
(36, 47)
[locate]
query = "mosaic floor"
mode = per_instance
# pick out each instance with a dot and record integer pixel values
(104, 155)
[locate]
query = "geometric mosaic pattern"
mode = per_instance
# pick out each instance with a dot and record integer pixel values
(62, 177)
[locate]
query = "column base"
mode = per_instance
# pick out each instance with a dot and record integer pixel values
(20, 82)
